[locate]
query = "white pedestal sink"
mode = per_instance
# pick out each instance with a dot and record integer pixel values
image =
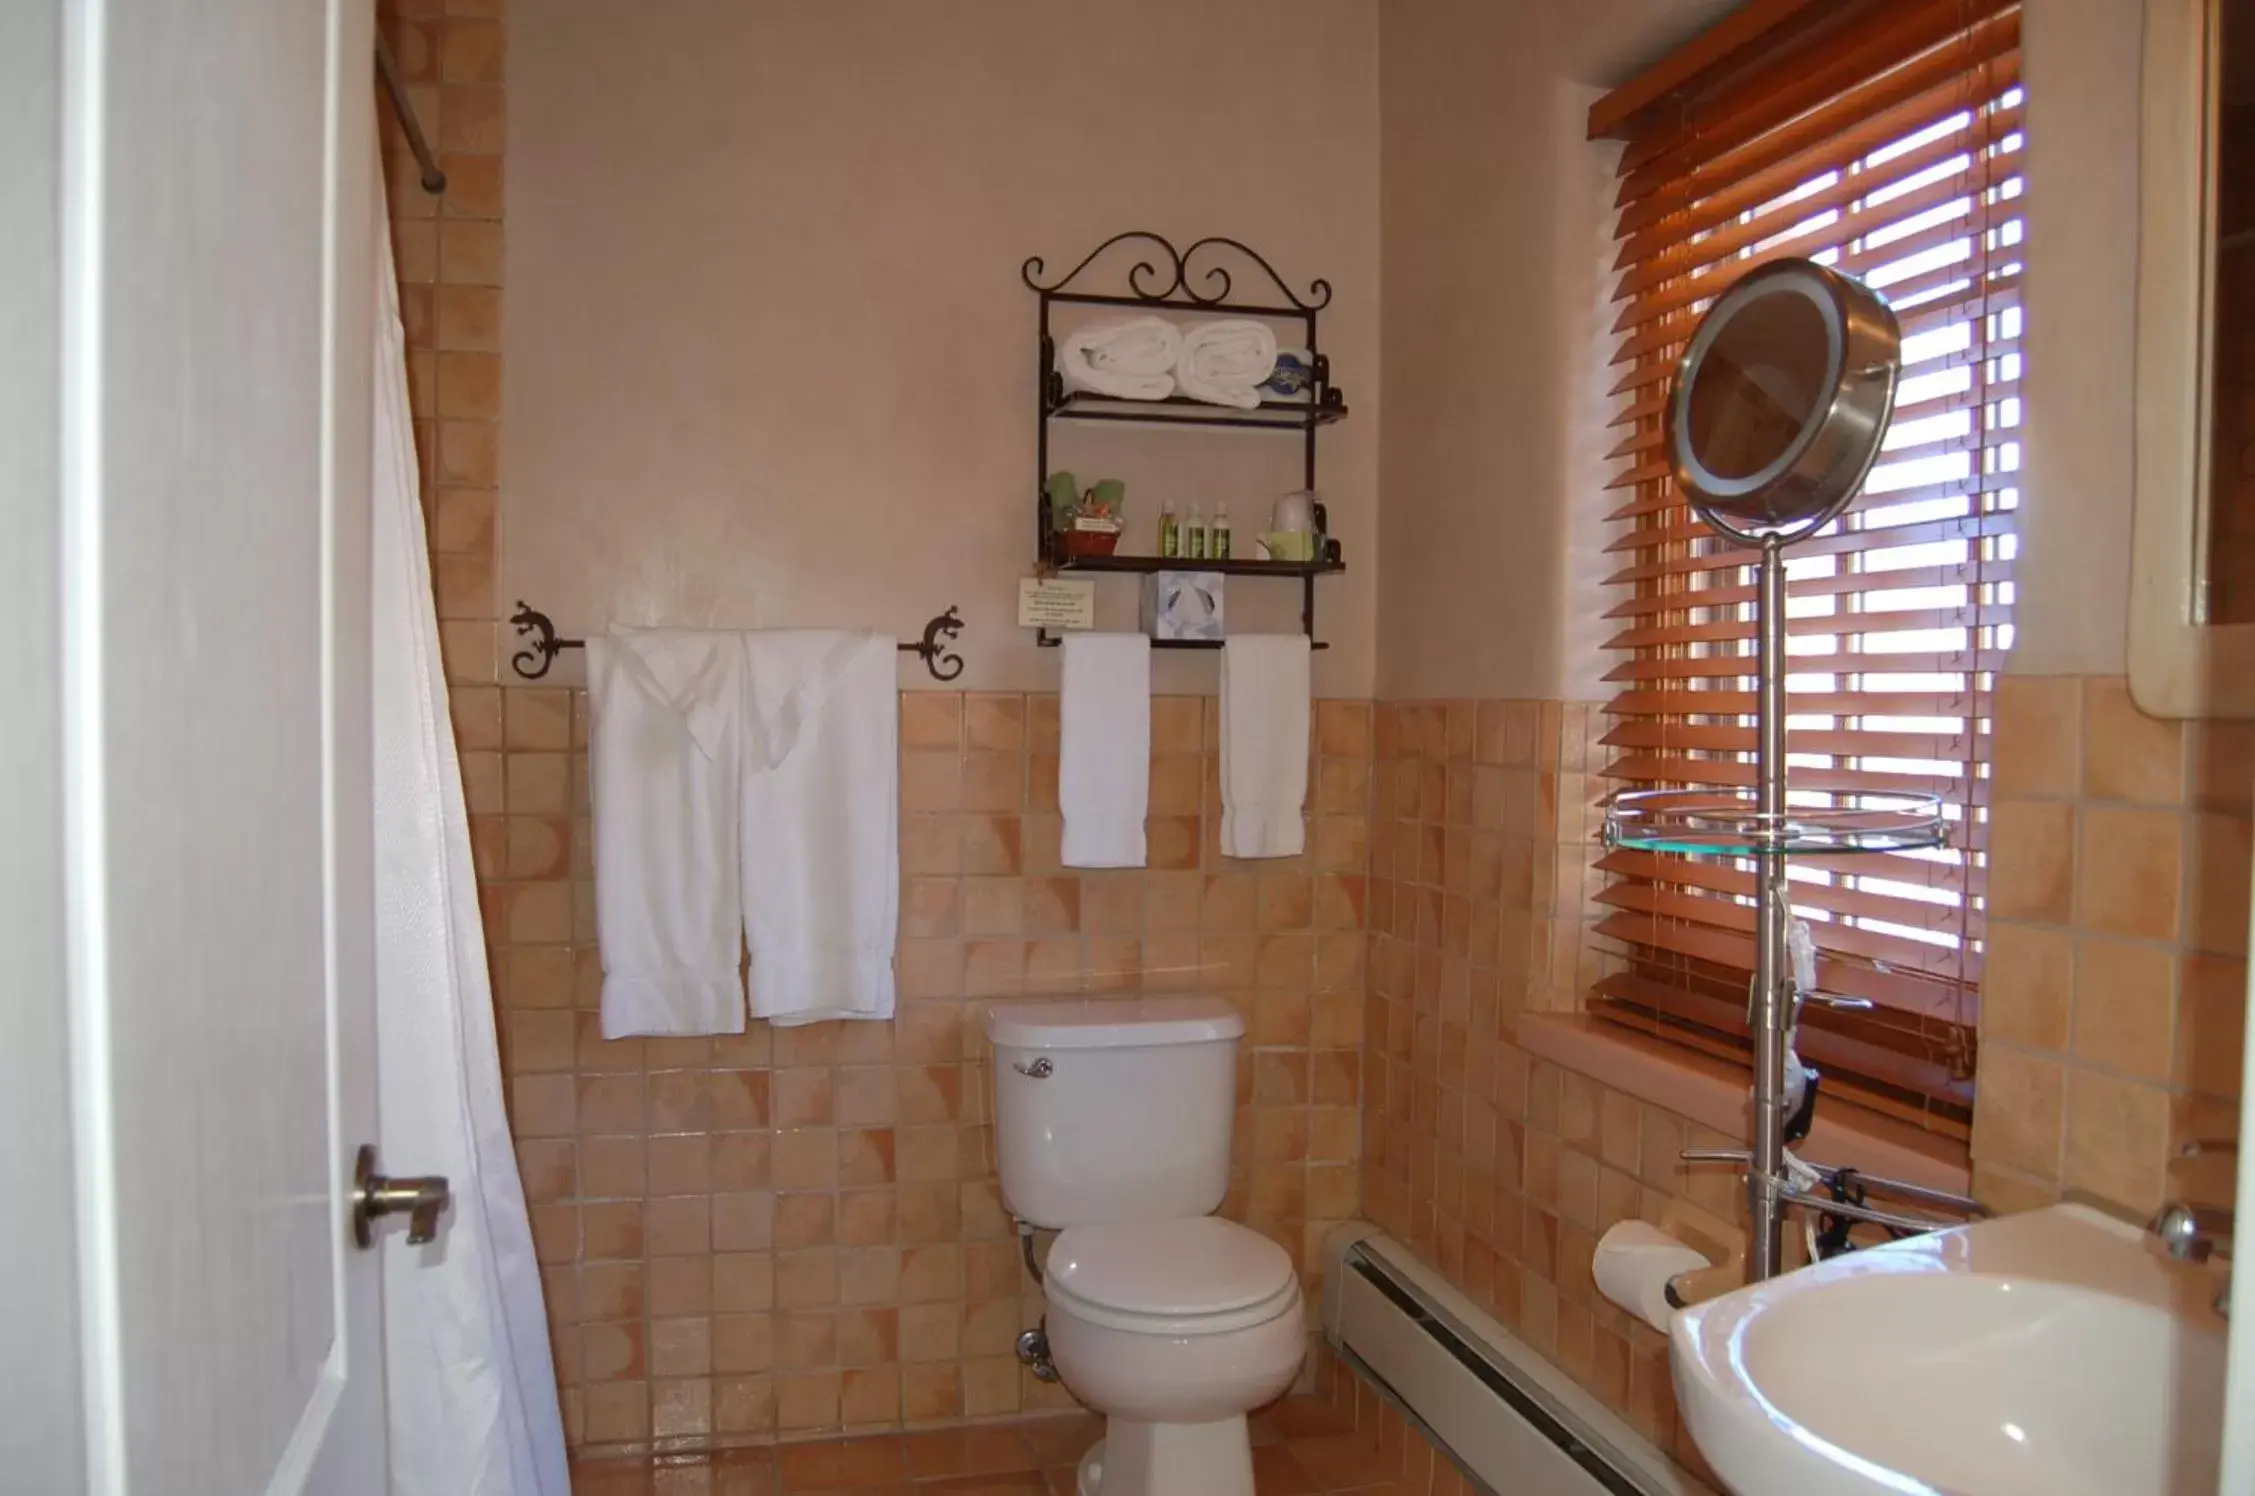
(2056, 1353)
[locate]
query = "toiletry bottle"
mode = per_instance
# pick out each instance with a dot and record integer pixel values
(1170, 531)
(1217, 539)
(1194, 536)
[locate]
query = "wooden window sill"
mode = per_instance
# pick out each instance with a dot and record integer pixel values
(1713, 1094)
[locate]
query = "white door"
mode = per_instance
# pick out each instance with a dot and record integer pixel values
(217, 183)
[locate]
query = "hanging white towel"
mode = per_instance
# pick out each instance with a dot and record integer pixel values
(1128, 358)
(1224, 363)
(1104, 765)
(820, 843)
(1265, 701)
(664, 756)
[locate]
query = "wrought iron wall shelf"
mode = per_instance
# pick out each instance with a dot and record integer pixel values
(1047, 640)
(1181, 410)
(1234, 567)
(1305, 572)
(1196, 280)
(542, 644)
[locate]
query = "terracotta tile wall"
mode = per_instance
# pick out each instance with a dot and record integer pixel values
(453, 56)
(798, 1230)
(1499, 1168)
(2114, 992)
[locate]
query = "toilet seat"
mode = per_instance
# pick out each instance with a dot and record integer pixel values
(1199, 1275)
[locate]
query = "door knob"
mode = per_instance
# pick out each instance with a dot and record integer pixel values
(373, 1194)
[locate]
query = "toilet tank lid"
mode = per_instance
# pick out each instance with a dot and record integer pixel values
(1113, 1023)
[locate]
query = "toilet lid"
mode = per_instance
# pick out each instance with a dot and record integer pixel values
(1200, 1265)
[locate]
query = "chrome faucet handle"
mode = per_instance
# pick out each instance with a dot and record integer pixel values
(1715, 1156)
(2190, 1233)
(1893, 1219)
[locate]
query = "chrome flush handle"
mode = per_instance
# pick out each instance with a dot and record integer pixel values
(1038, 1069)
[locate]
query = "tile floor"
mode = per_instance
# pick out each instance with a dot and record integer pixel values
(1302, 1447)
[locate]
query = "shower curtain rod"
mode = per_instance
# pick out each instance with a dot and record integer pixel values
(434, 180)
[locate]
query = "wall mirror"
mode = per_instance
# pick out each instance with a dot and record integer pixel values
(2192, 613)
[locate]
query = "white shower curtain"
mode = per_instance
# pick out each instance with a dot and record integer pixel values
(468, 1376)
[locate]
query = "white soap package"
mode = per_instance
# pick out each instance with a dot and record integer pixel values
(1183, 605)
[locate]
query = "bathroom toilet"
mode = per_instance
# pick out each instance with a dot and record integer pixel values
(1112, 1123)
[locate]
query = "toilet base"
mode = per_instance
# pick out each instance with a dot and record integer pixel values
(1166, 1459)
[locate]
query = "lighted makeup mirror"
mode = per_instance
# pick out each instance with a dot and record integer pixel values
(1776, 417)
(1781, 400)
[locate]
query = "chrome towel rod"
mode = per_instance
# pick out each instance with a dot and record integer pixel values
(434, 180)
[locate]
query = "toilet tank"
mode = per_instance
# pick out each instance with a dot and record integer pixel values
(1113, 1110)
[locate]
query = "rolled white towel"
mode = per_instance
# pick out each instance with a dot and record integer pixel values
(1223, 363)
(1128, 358)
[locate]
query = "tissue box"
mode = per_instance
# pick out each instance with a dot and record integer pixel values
(1183, 605)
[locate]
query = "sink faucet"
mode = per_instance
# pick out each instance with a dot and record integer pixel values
(2191, 1233)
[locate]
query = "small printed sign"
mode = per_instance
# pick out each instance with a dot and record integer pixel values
(1053, 603)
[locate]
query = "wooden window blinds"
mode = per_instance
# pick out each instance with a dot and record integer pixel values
(1887, 145)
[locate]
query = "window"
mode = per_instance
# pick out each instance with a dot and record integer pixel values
(1885, 140)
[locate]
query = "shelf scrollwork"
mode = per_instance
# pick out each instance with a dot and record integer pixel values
(1319, 291)
(1031, 271)
(1168, 276)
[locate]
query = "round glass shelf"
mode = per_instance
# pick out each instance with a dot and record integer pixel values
(1726, 821)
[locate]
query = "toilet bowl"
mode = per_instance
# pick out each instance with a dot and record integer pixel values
(1174, 1330)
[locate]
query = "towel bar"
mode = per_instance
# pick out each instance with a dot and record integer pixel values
(542, 645)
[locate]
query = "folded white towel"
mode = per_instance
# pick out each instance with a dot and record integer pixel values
(665, 710)
(1223, 363)
(1265, 699)
(820, 823)
(1128, 358)
(1104, 765)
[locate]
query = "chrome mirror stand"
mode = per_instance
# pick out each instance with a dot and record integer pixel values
(1773, 448)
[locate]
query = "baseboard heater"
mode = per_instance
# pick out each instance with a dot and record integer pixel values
(1514, 1422)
